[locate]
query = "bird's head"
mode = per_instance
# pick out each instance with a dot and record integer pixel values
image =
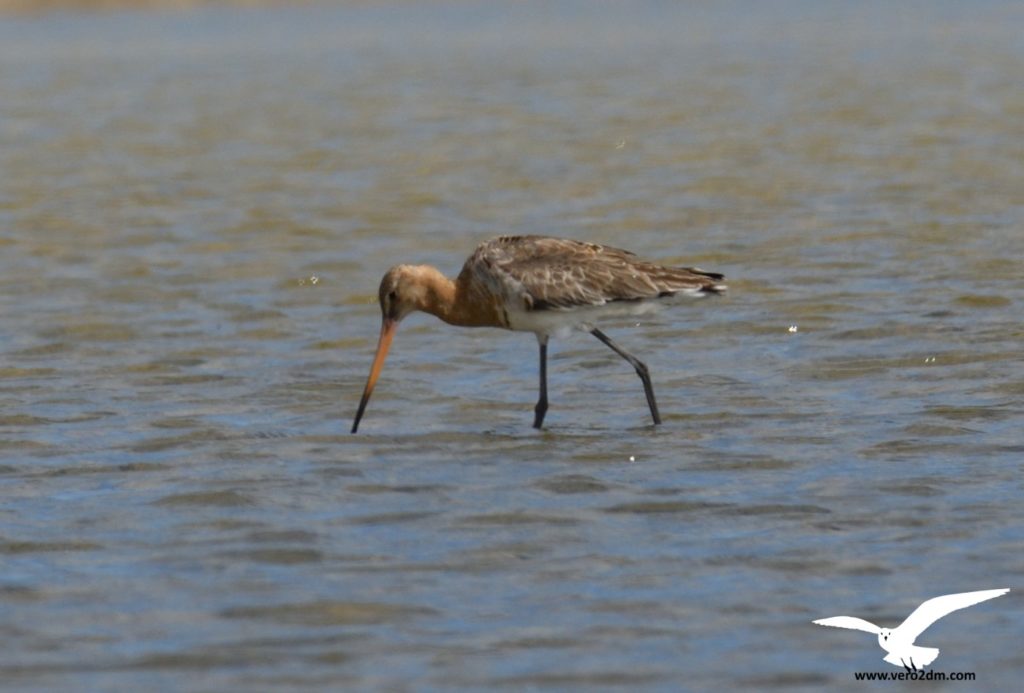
(401, 291)
(883, 636)
(404, 289)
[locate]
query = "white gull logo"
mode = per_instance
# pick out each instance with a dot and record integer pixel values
(899, 641)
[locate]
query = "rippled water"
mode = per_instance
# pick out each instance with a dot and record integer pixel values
(196, 208)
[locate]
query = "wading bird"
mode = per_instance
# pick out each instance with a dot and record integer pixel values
(899, 641)
(537, 284)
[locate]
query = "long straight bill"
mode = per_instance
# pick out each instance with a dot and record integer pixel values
(387, 333)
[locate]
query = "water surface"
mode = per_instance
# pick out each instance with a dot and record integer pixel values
(195, 212)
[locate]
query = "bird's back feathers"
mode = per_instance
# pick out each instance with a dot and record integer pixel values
(543, 273)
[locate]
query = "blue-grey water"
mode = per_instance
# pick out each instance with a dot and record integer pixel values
(196, 209)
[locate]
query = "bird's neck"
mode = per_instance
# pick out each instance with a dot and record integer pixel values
(455, 301)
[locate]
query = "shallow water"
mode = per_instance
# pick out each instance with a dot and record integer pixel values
(196, 210)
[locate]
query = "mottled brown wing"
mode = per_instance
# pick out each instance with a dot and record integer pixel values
(554, 273)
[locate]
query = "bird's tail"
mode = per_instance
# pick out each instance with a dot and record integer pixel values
(927, 654)
(702, 282)
(920, 657)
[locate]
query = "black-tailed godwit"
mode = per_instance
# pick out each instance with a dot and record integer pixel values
(547, 286)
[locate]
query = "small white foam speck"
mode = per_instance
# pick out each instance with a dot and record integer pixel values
(632, 458)
(793, 328)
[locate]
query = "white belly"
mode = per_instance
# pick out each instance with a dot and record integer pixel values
(559, 323)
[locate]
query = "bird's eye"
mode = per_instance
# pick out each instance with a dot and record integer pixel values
(392, 295)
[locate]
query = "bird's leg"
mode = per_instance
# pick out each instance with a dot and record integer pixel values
(641, 370)
(542, 403)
